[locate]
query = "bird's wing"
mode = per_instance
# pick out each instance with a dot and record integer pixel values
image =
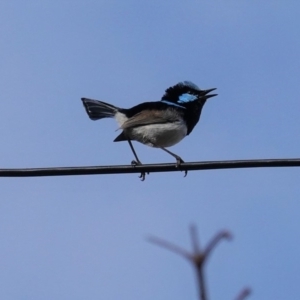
(148, 117)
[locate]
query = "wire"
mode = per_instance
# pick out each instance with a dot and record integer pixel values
(152, 168)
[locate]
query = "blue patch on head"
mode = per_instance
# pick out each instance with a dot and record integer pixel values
(191, 85)
(186, 98)
(172, 103)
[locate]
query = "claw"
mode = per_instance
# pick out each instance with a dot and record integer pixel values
(135, 163)
(142, 176)
(179, 161)
(138, 163)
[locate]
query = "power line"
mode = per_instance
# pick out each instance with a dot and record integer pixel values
(151, 168)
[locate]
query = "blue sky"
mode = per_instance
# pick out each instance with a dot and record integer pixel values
(84, 237)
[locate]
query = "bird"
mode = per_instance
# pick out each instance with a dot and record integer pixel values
(159, 124)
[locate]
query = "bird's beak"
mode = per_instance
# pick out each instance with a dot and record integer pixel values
(205, 92)
(210, 96)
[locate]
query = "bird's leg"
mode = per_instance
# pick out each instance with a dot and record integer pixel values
(136, 162)
(179, 160)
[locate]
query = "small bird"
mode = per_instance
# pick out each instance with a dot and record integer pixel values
(159, 124)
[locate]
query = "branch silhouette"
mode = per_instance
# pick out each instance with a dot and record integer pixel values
(243, 294)
(198, 257)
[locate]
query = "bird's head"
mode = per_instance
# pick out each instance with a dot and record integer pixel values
(186, 92)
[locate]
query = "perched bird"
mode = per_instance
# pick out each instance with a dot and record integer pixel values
(158, 124)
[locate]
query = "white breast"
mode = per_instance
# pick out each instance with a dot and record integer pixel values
(159, 135)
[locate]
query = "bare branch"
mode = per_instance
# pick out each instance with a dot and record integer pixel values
(194, 238)
(197, 258)
(167, 245)
(243, 294)
(213, 243)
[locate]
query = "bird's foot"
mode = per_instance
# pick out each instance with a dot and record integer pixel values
(180, 161)
(138, 163)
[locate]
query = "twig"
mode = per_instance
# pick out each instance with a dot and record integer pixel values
(197, 257)
(165, 244)
(213, 243)
(243, 294)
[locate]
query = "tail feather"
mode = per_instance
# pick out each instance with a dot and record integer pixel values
(98, 109)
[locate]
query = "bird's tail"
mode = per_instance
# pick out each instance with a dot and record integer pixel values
(98, 109)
